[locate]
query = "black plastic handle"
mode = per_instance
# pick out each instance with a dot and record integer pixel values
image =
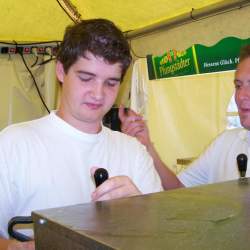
(100, 175)
(19, 220)
(242, 164)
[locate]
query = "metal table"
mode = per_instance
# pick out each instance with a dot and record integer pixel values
(213, 216)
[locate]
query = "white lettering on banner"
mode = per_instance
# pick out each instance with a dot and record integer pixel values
(212, 64)
(221, 62)
(236, 59)
(226, 61)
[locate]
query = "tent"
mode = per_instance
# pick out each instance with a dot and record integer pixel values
(152, 27)
(46, 20)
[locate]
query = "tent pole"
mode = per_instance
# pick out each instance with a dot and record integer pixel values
(194, 15)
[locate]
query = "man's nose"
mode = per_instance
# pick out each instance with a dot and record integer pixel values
(98, 91)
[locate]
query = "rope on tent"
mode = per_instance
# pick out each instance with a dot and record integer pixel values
(21, 51)
(35, 83)
(70, 10)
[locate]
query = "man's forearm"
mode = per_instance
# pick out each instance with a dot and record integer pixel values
(168, 178)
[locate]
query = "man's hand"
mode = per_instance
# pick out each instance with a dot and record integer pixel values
(114, 188)
(133, 124)
(16, 245)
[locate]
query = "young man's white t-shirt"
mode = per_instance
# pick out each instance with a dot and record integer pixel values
(46, 163)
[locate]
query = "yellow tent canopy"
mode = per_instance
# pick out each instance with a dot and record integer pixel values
(45, 20)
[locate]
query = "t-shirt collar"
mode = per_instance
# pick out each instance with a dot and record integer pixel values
(72, 131)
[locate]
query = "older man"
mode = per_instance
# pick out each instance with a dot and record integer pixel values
(218, 162)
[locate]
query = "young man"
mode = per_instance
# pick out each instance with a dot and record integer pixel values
(218, 162)
(48, 162)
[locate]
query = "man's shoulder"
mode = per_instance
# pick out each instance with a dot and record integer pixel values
(233, 134)
(22, 128)
(228, 139)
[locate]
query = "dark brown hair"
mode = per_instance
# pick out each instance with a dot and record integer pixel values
(98, 36)
(244, 52)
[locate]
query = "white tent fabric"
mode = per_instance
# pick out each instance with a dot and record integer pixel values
(184, 114)
(19, 99)
(139, 91)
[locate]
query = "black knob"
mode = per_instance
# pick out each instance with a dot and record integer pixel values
(242, 164)
(100, 175)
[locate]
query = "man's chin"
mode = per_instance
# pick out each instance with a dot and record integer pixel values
(245, 123)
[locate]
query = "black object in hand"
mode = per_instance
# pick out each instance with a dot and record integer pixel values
(100, 175)
(242, 164)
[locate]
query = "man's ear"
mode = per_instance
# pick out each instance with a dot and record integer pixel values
(60, 72)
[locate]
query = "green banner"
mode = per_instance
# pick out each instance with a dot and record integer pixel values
(197, 59)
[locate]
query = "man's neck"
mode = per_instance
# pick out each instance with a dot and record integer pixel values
(89, 128)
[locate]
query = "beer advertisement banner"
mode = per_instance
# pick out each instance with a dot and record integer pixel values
(198, 59)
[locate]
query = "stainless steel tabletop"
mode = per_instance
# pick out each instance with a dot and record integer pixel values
(207, 217)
